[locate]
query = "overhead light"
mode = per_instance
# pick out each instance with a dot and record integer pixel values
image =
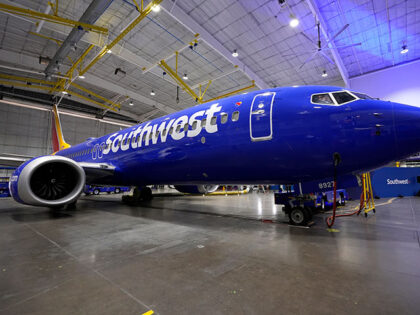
(404, 49)
(81, 77)
(293, 21)
(152, 93)
(131, 103)
(235, 53)
(64, 92)
(185, 77)
(44, 60)
(109, 51)
(324, 74)
(156, 8)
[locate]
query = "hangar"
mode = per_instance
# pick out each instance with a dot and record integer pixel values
(209, 157)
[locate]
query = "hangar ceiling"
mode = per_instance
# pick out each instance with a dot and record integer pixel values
(270, 52)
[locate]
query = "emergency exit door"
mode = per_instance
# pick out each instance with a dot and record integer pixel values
(261, 117)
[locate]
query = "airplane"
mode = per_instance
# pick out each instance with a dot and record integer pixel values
(281, 135)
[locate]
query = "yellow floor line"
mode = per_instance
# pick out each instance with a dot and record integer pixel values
(386, 203)
(148, 313)
(381, 204)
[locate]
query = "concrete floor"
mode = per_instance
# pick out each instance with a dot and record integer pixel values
(206, 255)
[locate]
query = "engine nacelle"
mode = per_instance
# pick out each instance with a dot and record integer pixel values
(49, 181)
(196, 189)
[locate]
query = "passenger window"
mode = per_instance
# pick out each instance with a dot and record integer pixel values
(223, 118)
(203, 122)
(343, 97)
(324, 99)
(235, 116)
(178, 128)
(185, 127)
(164, 132)
(194, 125)
(171, 130)
(213, 120)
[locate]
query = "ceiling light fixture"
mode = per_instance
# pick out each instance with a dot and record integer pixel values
(109, 51)
(81, 77)
(152, 93)
(65, 92)
(185, 77)
(324, 74)
(294, 22)
(131, 103)
(404, 49)
(156, 8)
(235, 53)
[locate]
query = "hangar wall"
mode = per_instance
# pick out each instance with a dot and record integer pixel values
(398, 84)
(27, 131)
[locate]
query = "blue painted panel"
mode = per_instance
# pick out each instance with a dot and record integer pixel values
(327, 184)
(395, 181)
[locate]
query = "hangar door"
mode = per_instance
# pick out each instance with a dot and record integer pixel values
(261, 117)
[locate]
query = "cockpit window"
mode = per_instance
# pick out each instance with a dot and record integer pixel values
(324, 99)
(343, 97)
(362, 96)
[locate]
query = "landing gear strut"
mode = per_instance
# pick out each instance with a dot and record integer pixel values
(139, 194)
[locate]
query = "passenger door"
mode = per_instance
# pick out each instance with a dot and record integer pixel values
(261, 117)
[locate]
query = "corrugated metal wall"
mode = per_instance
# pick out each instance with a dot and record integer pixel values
(27, 131)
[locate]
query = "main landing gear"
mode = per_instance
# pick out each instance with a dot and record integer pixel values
(140, 194)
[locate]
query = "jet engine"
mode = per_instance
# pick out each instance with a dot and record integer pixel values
(49, 181)
(196, 189)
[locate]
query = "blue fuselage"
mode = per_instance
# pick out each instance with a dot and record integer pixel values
(270, 136)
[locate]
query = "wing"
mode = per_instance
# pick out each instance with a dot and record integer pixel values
(13, 160)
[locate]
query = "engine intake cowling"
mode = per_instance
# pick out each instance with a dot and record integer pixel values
(196, 189)
(47, 181)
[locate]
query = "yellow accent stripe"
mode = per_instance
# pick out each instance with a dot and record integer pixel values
(148, 313)
(61, 143)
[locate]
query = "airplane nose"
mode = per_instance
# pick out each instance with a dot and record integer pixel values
(407, 129)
